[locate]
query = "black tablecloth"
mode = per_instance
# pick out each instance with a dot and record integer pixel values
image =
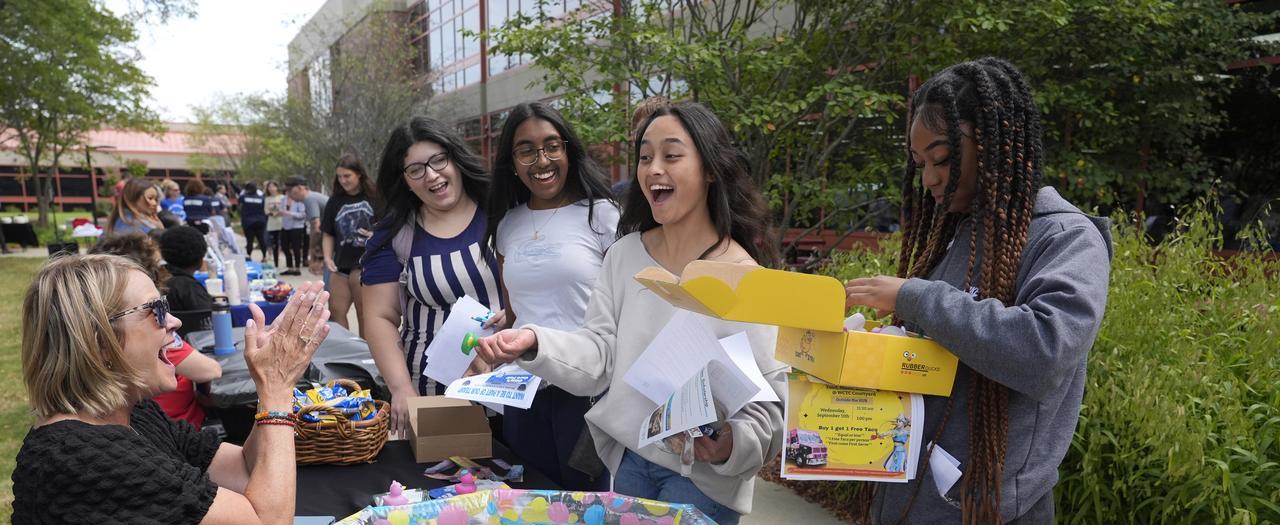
(23, 234)
(341, 355)
(341, 491)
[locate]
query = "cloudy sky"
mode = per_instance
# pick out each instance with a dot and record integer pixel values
(231, 46)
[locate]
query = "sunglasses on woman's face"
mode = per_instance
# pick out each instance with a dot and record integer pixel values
(159, 308)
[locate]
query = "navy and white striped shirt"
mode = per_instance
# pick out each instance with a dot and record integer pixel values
(440, 272)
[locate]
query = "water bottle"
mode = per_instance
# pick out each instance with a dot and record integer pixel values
(242, 286)
(223, 341)
(231, 282)
(268, 272)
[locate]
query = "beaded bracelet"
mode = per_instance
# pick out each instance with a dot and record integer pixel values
(289, 422)
(272, 414)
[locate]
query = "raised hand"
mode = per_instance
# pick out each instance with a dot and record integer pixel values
(277, 356)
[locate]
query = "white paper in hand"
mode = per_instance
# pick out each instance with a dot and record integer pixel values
(447, 360)
(679, 351)
(691, 405)
(738, 346)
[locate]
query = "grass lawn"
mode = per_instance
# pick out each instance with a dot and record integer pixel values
(15, 419)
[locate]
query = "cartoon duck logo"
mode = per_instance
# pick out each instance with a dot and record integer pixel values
(909, 356)
(806, 346)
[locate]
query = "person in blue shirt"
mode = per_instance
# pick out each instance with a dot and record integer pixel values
(253, 219)
(197, 205)
(172, 201)
(431, 232)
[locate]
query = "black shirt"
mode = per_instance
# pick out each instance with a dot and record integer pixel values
(186, 293)
(252, 209)
(154, 471)
(343, 218)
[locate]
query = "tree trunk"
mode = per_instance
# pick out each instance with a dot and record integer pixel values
(44, 194)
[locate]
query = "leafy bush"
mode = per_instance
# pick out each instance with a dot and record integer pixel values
(1181, 416)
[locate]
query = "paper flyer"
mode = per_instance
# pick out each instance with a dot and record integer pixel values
(453, 348)
(509, 385)
(689, 407)
(680, 351)
(845, 433)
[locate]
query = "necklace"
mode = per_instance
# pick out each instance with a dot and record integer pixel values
(536, 229)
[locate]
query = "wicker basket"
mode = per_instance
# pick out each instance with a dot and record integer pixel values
(341, 442)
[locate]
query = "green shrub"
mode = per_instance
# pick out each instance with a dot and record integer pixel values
(1181, 416)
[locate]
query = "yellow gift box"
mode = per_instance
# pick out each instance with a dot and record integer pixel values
(809, 313)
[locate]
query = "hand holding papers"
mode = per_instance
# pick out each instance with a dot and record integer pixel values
(687, 372)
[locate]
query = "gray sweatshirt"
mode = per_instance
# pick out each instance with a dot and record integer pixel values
(622, 318)
(1036, 347)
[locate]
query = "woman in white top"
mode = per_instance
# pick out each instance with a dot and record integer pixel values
(692, 198)
(551, 219)
(275, 207)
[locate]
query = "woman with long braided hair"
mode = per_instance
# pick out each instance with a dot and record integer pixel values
(1009, 277)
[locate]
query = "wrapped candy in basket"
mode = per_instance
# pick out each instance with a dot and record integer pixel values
(534, 507)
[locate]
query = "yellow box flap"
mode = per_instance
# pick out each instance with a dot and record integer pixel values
(749, 293)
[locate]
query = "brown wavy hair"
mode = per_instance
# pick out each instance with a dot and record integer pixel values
(140, 248)
(352, 162)
(131, 200)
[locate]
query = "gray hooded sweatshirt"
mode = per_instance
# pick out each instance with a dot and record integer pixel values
(1036, 347)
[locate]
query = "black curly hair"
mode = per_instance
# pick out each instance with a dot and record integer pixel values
(183, 247)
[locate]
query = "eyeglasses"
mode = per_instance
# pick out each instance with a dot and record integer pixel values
(528, 155)
(159, 308)
(417, 170)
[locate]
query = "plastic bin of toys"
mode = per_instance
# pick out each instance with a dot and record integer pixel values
(533, 507)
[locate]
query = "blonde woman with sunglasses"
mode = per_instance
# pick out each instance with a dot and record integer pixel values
(100, 451)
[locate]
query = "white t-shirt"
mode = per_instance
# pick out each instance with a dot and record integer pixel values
(549, 279)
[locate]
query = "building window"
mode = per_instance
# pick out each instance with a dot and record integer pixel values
(319, 82)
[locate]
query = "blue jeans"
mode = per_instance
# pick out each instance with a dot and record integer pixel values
(639, 477)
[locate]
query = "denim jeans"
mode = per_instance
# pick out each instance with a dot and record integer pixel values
(639, 477)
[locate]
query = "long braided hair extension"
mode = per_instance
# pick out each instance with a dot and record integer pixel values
(992, 96)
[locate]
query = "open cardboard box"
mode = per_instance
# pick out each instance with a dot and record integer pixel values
(809, 313)
(444, 427)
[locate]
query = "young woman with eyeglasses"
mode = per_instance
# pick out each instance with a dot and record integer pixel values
(427, 251)
(551, 219)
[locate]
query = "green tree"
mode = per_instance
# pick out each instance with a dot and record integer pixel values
(249, 134)
(360, 91)
(1130, 90)
(800, 84)
(66, 67)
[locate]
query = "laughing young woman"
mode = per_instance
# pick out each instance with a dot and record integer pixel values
(691, 199)
(551, 218)
(426, 252)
